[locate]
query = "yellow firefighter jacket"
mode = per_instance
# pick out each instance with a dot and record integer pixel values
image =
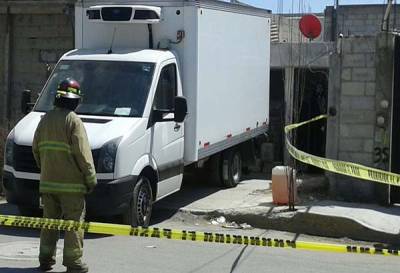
(62, 152)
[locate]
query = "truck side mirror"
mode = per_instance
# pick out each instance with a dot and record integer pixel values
(26, 104)
(180, 109)
(180, 112)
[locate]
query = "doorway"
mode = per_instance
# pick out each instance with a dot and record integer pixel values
(310, 100)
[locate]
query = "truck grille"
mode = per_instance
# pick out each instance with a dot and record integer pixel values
(25, 162)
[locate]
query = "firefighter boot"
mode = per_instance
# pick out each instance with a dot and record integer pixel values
(46, 266)
(82, 268)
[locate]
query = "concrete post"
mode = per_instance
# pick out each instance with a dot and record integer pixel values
(384, 92)
(332, 134)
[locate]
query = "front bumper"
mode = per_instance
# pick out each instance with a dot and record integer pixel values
(110, 197)
(21, 192)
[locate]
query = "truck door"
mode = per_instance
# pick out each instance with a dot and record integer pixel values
(167, 137)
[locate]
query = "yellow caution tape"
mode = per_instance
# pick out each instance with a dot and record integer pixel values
(341, 167)
(187, 235)
(337, 166)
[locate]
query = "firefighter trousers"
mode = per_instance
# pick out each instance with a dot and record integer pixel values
(67, 207)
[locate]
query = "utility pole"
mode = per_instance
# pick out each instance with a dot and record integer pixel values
(334, 20)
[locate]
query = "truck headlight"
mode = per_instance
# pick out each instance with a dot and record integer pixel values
(107, 156)
(9, 150)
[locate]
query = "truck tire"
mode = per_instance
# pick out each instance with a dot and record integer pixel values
(231, 168)
(30, 212)
(140, 207)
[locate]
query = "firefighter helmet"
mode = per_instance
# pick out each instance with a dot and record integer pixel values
(69, 89)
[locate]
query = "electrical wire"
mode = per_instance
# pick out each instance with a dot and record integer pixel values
(289, 174)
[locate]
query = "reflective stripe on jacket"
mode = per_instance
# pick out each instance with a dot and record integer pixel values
(62, 152)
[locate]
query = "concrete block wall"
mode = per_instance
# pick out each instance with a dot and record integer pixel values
(41, 31)
(39, 40)
(357, 100)
(356, 20)
(355, 93)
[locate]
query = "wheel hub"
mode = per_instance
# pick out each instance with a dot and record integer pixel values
(143, 203)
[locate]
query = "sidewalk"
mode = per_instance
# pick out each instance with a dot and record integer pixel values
(251, 203)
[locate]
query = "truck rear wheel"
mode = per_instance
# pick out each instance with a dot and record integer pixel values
(140, 207)
(231, 168)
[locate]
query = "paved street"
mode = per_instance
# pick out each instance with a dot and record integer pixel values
(129, 254)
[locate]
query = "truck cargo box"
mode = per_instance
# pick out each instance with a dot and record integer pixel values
(224, 58)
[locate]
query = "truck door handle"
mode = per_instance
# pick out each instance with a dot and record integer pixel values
(177, 127)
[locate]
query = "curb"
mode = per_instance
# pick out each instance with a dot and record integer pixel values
(302, 222)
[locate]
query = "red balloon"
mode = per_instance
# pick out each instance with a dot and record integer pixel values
(310, 26)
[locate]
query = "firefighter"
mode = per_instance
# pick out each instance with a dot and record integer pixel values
(62, 152)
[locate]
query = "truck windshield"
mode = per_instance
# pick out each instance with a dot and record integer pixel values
(108, 88)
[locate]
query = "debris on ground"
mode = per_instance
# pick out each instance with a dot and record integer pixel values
(218, 221)
(221, 221)
(246, 226)
(232, 225)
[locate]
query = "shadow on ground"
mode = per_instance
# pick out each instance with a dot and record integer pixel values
(23, 270)
(192, 189)
(8, 209)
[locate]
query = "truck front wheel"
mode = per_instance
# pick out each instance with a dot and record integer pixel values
(141, 204)
(231, 168)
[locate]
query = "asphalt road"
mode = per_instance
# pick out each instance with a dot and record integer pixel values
(105, 254)
(119, 254)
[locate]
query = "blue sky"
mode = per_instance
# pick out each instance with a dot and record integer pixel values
(310, 5)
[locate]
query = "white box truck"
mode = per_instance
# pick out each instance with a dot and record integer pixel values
(140, 64)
